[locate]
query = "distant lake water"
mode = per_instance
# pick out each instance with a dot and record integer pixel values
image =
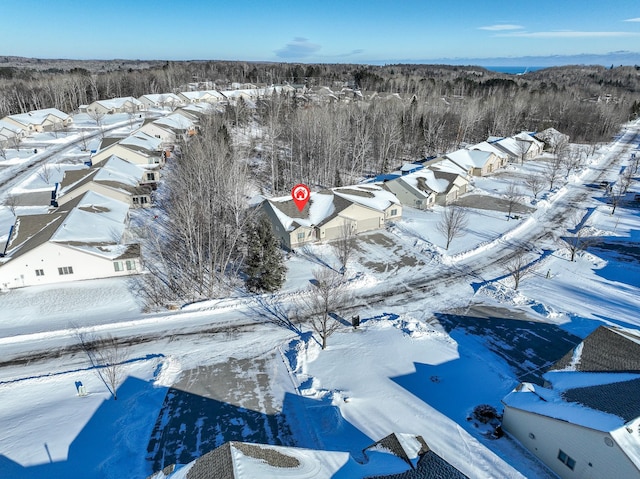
(514, 70)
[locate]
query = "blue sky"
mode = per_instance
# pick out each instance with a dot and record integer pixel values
(378, 31)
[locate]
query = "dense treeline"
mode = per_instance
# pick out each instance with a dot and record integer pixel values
(547, 95)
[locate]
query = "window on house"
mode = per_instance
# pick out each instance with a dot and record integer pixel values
(65, 270)
(151, 177)
(39, 272)
(117, 266)
(566, 459)
(144, 200)
(301, 236)
(394, 212)
(136, 200)
(131, 265)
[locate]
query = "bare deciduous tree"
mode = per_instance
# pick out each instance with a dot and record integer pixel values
(45, 173)
(513, 196)
(12, 201)
(107, 358)
(326, 296)
(97, 116)
(452, 224)
(551, 172)
(344, 246)
(535, 183)
(577, 240)
(616, 193)
(517, 267)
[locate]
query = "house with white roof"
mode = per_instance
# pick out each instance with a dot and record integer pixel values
(10, 134)
(161, 101)
(170, 129)
(503, 157)
(441, 163)
(202, 96)
(78, 241)
(48, 119)
(520, 147)
(585, 421)
(115, 178)
(139, 148)
(127, 104)
(330, 214)
(475, 162)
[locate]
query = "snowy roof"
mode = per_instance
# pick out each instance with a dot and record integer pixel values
(175, 121)
(10, 126)
(117, 103)
(606, 349)
(241, 460)
(445, 164)
(469, 158)
(486, 146)
(38, 117)
(369, 195)
(162, 97)
(573, 405)
(91, 220)
(411, 167)
(142, 141)
(319, 207)
(424, 181)
(326, 205)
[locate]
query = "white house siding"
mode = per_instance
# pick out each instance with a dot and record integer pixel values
(586, 446)
(48, 257)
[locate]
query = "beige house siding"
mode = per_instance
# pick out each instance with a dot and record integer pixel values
(97, 188)
(545, 437)
(126, 154)
(301, 236)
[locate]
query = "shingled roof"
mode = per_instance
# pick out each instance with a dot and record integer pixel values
(614, 398)
(607, 349)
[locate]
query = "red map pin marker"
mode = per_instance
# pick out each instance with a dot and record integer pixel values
(300, 194)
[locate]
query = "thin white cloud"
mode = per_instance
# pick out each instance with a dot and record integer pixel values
(299, 48)
(501, 27)
(568, 34)
(633, 19)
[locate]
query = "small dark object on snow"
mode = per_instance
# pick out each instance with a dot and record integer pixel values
(485, 413)
(355, 321)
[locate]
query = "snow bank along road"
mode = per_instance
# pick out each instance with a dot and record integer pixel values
(217, 316)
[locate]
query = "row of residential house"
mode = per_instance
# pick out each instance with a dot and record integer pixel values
(330, 214)
(14, 128)
(83, 235)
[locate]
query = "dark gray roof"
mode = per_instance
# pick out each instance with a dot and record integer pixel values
(430, 466)
(216, 464)
(605, 350)
(621, 399)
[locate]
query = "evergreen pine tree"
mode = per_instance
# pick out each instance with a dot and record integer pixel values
(264, 265)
